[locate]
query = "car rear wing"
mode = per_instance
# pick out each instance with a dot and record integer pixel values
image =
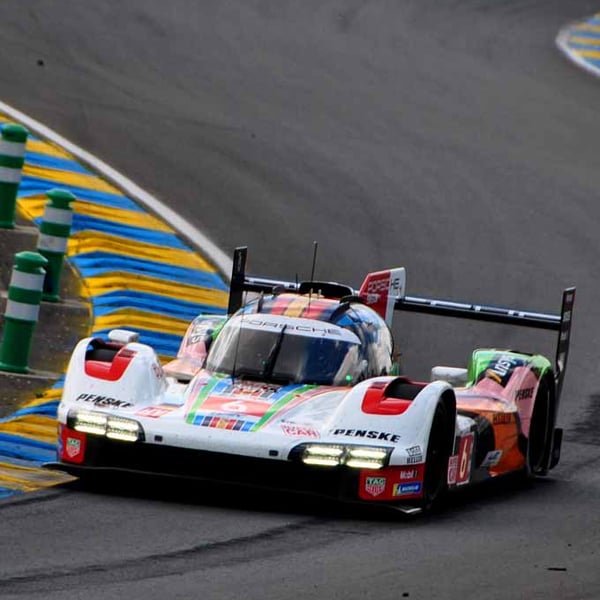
(561, 323)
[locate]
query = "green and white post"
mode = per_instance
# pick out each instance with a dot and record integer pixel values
(22, 311)
(54, 235)
(12, 157)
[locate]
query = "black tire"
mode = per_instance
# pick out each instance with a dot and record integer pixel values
(540, 432)
(435, 481)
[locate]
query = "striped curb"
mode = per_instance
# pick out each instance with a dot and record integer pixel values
(580, 43)
(136, 272)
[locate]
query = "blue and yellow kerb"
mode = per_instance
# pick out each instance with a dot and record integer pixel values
(581, 43)
(134, 271)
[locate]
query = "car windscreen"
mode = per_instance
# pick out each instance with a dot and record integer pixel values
(284, 355)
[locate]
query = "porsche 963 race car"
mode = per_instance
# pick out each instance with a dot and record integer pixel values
(297, 389)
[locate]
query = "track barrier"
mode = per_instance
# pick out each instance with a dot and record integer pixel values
(12, 157)
(55, 229)
(22, 311)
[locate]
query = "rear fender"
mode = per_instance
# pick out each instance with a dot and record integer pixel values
(517, 378)
(513, 376)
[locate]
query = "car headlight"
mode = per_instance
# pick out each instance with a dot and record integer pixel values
(97, 423)
(327, 456)
(366, 458)
(88, 422)
(126, 430)
(357, 457)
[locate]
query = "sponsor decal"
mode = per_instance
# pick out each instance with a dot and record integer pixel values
(72, 445)
(465, 456)
(501, 368)
(375, 485)
(524, 394)
(318, 327)
(492, 458)
(294, 430)
(409, 473)
(503, 418)
(379, 290)
(242, 388)
(415, 455)
(103, 401)
(378, 286)
(155, 412)
(405, 489)
(383, 485)
(452, 469)
(368, 434)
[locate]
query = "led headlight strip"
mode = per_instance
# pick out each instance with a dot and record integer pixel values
(358, 457)
(97, 423)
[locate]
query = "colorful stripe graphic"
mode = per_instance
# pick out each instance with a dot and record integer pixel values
(294, 306)
(285, 401)
(135, 272)
(580, 42)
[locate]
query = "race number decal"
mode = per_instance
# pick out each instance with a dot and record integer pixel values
(241, 406)
(465, 458)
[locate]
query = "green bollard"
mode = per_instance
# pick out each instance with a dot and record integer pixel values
(22, 310)
(52, 242)
(12, 157)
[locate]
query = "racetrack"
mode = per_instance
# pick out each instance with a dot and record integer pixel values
(448, 136)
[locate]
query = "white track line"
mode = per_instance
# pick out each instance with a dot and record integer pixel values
(219, 259)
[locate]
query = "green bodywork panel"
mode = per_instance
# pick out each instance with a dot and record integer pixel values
(483, 359)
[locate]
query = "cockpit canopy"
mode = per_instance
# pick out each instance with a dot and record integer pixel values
(286, 350)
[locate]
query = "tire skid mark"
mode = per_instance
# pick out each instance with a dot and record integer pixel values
(286, 539)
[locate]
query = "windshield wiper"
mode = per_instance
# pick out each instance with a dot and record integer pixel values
(267, 371)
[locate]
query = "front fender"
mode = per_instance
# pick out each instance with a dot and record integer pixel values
(408, 430)
(138, 381)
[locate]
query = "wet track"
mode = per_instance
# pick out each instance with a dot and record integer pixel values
(447, 136)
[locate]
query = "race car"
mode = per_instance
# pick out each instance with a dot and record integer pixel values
(297, 388)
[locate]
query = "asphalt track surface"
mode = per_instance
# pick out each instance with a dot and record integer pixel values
(443, 135)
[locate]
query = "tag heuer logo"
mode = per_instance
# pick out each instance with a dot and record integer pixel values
(73, 447)
(375, 485)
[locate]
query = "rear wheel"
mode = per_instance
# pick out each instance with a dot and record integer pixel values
(436, 462)
(538, 443)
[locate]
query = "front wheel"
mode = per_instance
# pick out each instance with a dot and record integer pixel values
(436, 463)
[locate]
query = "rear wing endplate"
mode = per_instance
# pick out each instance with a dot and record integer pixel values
(561, 323)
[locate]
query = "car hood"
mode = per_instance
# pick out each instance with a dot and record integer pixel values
(241, 405)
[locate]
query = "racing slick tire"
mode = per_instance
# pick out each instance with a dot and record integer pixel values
(435, 481)
(540, 432)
